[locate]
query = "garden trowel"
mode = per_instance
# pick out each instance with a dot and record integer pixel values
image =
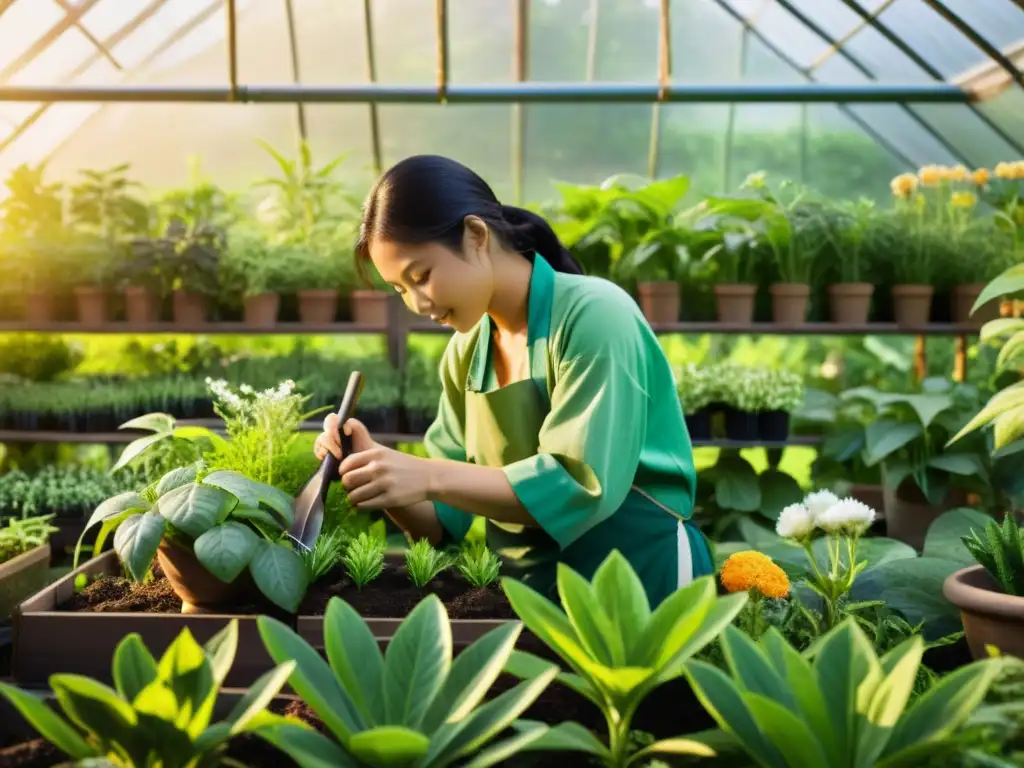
(309, 502)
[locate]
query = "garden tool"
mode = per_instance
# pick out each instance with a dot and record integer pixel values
(309, 502)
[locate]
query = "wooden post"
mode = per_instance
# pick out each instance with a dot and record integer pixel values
(960, 359)
(920, 359)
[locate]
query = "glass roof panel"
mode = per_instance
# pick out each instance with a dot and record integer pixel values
(24, 23)
(56, 61)
(108, 16)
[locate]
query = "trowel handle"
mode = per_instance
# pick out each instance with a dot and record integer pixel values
(345, 412)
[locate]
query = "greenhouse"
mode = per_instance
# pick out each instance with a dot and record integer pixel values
(429, 383)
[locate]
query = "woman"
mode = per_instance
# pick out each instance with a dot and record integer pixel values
(559, 421)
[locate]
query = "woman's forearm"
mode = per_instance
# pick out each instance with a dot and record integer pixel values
(418, 521)
(483, 491)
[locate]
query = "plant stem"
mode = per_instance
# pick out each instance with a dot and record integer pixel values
(618, 737)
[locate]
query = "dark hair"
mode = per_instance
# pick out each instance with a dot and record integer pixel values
(426, 198)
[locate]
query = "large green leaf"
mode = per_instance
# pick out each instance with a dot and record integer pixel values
(963, 464)
(94, 707)
(117, 506)
(621, 593)
(876, 550)
(355, 657)
(526, 666)
(789, 734)
(308, 748)
(416, 662)
(251, 493)
(778, 490)
(1009, 428)
(135, 448)
(195, 509)
(722, 613)
(889, 699)
(185, 668)
(134, 666)
(175, 479)
(1004, 401)
(926, 406)
(593, 626)
(498, 752)
(259, 696)
(913, 587)
(1009, 355)
(1003, 326)
(279, 574)
(258, 515)
(47, 723)
(151, 422)
(884, 437)
(388, 745)
(137, 540)
(736, 485)
(944, 538)
(674, 622)
(752, 669)
(564, 737)
(225, 550)
(844, 662)
(1008, 283)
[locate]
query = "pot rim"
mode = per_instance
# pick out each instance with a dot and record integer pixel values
(734, 289)
(968, 589)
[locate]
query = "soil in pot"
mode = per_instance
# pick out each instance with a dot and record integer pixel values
(261, 310)
(740, 425)
(773, 425)
(699, 424)
(659, 301)
(789, 303)
(735, 303)
(850, 303)
(912, 305)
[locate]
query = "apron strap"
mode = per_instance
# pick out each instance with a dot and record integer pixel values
(656, 503)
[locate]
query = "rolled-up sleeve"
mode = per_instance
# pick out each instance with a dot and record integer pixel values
(444, 440)
(590, 441)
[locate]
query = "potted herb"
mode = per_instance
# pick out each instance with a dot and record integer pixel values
(912, 259)
(254, 270)
(783, 394)
(850, 297)
(313, 276)
(743, 390)
(24, 559)
(695, 389)
(722, 235)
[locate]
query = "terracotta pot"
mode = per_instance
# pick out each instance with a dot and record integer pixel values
(735, 303)
(261, 310)
(40, 308)
(92, 304)
(908, 515)
(850, 303)
(989, 616)
(659, 300)
(789, 303)
(189, 308)
(963, 298)
(370, 308)
(200, 591)
(317, 306)
(141, 306)
(912, 305)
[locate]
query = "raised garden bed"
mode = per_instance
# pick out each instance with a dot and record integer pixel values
(21, 576)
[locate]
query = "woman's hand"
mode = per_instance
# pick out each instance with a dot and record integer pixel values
(329, 441)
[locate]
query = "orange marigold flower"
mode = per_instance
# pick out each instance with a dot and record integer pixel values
(750, 569)
(981, 176)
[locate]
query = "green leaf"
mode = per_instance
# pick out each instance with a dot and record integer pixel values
(175, 479)
(356, 659)
(279, 574)
(963, 464)
(736, 485)
(1004, 401)
(499, 752)
(186, 670)
(526, 666)
(1009, 355)
(673, 622)
(594, 628)
(117, 506)
(195, 509)
(258, 515)
(944, 540)
(135, 448)
(251, 493)
(620, 592)
(787, 732)
(844, 664)
(220, 651)
(134, 666)
(884, 437)
(157, 701)
(160, 423)
(723, 611)
(912, 587)
(416, 662)
(926, 406)
(312, 679)
(225, 550)
(875, 550)
(48, 723)
(751, 668)
(564, 737)
(388, 745)
(778, 491)
(472, 674)
(890, 698)
(259, 696)
(1003, 326)
(137, 540)
(94, 707)
(308, 748)
(1008, 283)
(677, 746)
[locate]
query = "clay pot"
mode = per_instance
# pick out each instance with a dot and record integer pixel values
(92, 304)
(912, 305)
(317, 306)
(789, 303)
(370, 308)
(989, 616)
(141, 306)
(850, 303)
(261, 310)
(908, 515)
(189, 308)
(963, 298)
(200, 591)
(40, 308)
(659, 300)
(735, 303)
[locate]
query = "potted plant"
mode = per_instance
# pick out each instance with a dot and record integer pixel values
(726, 238)
(24, 559)
(913, 257)
(254, 270)
(850, 297)
(743, 391)
(783, 394)
(695, 389)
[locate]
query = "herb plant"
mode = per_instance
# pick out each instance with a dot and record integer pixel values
(159, 712)
(842, 707)
(478, 565)
(327, 551)
(410, 706)
(618, 649)
(364, 559)
(230, 522)
(424, 563)
(20, 536)
(1001, 553)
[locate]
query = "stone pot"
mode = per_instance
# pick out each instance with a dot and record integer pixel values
(963, 298)
(989, 616)
(317, 306)
(789, 303)
(735, 303)
(850, 303)
(91, 302)
(659, 300)
(200, 591)
(261, 310)
(912, 305)
(189, 308)
(141, 306)
(370, 308)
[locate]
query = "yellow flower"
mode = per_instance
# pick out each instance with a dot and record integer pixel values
(981, 176)
(963, 200)
(931, 175)
(750, 569)
(1006, 170)
(1018, 169)
(958, 173)
(903, 185)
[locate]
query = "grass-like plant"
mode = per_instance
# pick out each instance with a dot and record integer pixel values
(364, 559)
(19, 536)
(326, 552)
(423, 563)
(478, 565)
(1000, 551)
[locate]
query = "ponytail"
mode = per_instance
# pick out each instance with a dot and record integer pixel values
(530, 233)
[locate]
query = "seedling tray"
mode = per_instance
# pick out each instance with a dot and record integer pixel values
(21, 576)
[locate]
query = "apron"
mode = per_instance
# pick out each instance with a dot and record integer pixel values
(502, 427)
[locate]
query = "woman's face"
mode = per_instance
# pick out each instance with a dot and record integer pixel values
(436, 282)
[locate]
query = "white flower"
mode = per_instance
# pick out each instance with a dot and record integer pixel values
(819, 502)
(795, 522)
(847, 516)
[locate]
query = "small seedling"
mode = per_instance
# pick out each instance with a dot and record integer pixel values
(364, 559)
(479, 565)
(326, 552)
(423, 562)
